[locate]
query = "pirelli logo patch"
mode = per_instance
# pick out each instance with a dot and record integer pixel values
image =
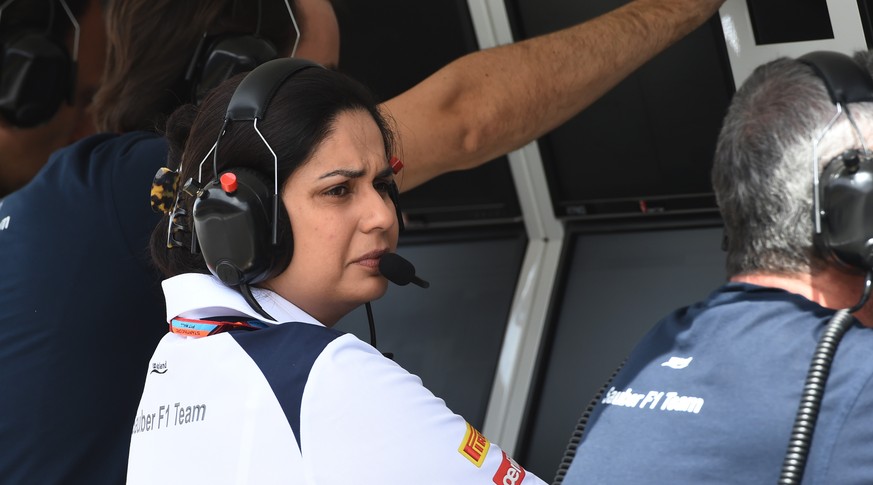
(475, 446)
(509, 473)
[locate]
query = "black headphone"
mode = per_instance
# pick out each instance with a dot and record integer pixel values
(236, 215)
(37, 73)
(218, 58)
(844, 197)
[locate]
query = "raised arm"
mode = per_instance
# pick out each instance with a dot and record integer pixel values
(493, 101)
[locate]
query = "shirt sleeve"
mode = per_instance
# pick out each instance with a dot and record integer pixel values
(364, 416)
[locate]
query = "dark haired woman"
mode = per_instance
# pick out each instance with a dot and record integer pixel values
(295, 402)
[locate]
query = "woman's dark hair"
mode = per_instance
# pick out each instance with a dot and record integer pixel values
(152, 43)
(299, 117)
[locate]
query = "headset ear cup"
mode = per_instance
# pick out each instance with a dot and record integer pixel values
(846, 198)
(36, 76)
(225, 57)
(845, 186)
(233, 222)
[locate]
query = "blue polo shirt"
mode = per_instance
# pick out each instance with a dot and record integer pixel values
(710, 395)
(81, 310)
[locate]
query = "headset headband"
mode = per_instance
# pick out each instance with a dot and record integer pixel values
(70, 16)
(846, 81)
(254, 93)
(249, 103)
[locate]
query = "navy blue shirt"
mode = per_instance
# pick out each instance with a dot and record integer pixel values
(80, 310)
(710, 395)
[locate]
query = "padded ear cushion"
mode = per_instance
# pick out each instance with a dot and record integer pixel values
(36, 76)
(233, 222)
(227, 56)
(846, 194)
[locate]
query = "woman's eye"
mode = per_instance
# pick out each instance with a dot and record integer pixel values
(382, 186)
(338, 191)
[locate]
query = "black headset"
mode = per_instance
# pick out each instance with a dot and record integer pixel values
(37, 73)
(220, 57)
(843, 207)
(844, 197)
(236, 214)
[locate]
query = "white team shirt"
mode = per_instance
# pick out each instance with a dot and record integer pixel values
(296, 403)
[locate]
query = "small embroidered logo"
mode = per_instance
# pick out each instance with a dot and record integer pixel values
(159, 367)
(4, 222)
(677, 362)
(509, 473)
(474, 447)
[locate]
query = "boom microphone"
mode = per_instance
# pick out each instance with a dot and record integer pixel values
(399, 271)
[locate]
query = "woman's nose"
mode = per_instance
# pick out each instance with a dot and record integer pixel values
(380, 212)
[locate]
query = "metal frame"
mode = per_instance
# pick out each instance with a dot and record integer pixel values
(527, 317)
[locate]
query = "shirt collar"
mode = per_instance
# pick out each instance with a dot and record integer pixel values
(195, 295)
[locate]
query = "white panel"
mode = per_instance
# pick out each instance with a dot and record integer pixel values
(491, 22)
(745, 55)
(518, 357)
(527, 317)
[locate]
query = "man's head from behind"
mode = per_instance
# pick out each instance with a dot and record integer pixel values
(763, 168)
(28, 137)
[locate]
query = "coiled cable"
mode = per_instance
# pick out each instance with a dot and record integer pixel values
(799, 444)
(576, 437)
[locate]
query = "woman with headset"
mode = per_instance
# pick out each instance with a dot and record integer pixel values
(252, 385)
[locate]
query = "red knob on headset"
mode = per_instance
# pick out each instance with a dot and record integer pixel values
(228, 182)
(396, 164)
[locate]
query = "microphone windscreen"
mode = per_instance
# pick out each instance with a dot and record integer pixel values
(398, 270)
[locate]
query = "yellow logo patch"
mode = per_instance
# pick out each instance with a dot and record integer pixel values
(475, 446)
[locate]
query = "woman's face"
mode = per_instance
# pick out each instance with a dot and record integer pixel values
(342, 221)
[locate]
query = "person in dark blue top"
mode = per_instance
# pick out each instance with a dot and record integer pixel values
(710, 393)
(80, 302)
(76, 287)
